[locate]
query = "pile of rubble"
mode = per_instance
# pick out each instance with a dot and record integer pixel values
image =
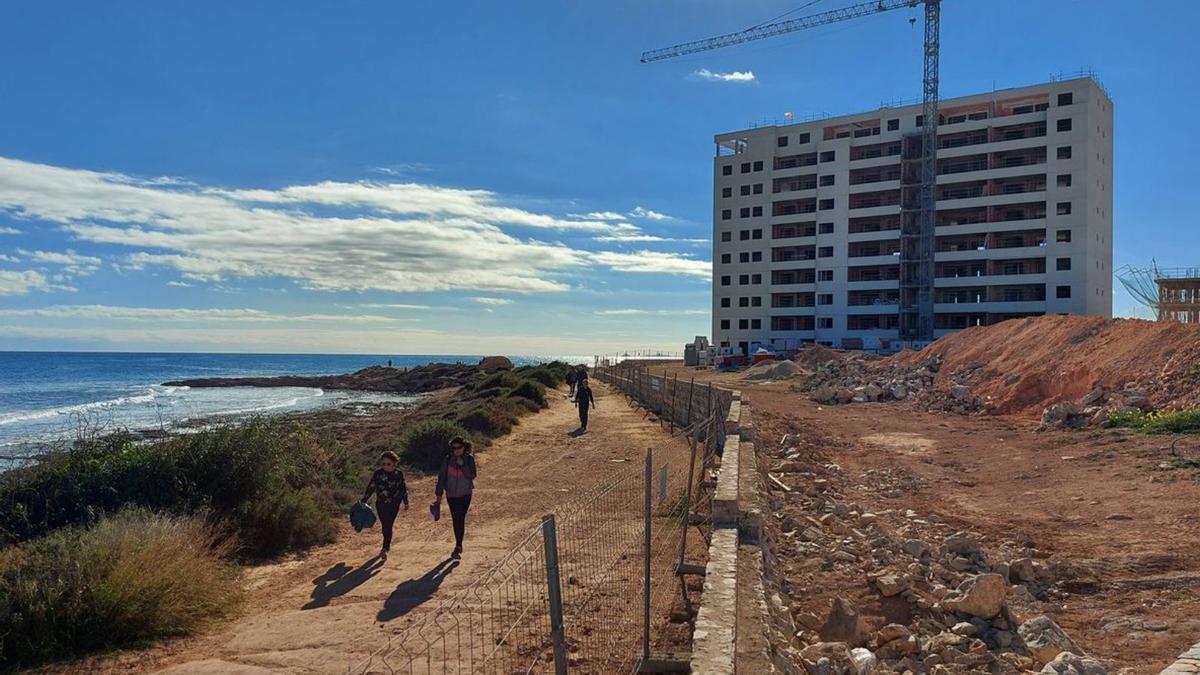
(861, 380)
(969, 611)
(1095, 408)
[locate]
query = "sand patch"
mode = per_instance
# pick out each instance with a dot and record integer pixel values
(902, 442)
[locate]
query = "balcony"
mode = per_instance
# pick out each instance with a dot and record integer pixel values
(795, 184)
(873, 298)
(872, 322)
(793, 253)
(867, 200)
(794, 207)
(1018, 132)
(874, 151)
(792, 300)
(875, 174)
(873, 224)
(793, 323)
(873, 273)
(794, 230)
(793, 277)
(795, 161)
(872, 249)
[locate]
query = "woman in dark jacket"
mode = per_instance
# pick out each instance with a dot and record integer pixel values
(583, 397)
(456, 479)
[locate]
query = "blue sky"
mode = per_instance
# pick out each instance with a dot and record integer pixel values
(467, 177)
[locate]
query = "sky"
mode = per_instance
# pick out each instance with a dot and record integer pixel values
(474, 177)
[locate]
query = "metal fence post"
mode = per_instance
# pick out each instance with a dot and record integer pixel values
(646, 559)
(554, 594)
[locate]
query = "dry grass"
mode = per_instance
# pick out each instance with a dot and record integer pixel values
(132, 577)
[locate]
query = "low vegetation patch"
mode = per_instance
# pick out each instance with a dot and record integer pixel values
(483, 410)
(1166, 422)
(265, 481)
(129, 578)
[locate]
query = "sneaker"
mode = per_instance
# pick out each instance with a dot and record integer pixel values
(457, 553)
(383, 555)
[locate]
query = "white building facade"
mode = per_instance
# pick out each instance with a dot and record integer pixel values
(806, 219)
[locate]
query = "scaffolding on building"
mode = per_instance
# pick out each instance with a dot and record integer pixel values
(1173, 294)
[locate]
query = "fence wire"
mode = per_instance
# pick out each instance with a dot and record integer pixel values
(501, 623)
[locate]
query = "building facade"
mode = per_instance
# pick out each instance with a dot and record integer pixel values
(806, 218)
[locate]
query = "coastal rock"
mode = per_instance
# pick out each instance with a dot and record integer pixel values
(864, 660)
(890, 584)
(490, 364)
(1044, 640)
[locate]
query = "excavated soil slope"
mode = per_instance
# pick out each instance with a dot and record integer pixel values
(1025, 365)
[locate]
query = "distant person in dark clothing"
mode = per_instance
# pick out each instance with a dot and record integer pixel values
(456, 479)
(572, 378)
(387, 483)
(389, 363)
(584, 397)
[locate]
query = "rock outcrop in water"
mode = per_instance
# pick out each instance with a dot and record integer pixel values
(374, 378)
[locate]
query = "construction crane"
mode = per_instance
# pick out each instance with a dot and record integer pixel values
(918, 159)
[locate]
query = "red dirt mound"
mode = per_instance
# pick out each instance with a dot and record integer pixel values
(1021, 366)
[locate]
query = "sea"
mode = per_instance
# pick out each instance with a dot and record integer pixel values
(49, 398)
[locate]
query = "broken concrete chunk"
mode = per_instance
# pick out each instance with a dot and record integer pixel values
(844, 625)
(982, 596)
(1044, 640)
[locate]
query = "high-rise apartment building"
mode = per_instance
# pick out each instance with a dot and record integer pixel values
(806, 218)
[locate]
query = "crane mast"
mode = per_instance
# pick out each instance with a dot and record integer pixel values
(918, 159)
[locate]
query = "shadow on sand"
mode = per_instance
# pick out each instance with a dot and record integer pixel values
(412, 593)
(577, 433)
(340, 580)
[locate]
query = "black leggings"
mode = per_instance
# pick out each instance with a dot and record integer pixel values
(583, 414)
(387, 518)
(458, 514)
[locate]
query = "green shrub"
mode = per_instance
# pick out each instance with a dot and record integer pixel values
(132, 577)
(1133, 419)
(283, 519)
(493, 418)
(424, 444)
(1170, 422)
(532, 391)
(544, 376)
(218, 472)
(504, 379)
(1175, 422)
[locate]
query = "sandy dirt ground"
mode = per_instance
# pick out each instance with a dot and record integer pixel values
(1111, 511)
(329, 609)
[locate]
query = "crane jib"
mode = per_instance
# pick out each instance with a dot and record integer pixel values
(780, 28)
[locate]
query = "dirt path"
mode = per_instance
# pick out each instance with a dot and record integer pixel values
(329, 610)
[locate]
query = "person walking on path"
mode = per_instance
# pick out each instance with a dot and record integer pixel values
(572, 378)
(387, 484)
(456, 479)
(584, 397)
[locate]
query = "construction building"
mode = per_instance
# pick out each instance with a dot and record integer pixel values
(806, 218)
(1178, 294)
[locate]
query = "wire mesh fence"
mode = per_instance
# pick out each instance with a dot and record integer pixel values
(590, 590)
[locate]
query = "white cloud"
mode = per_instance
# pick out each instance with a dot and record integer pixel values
(641, 212)
(493, 301)
(598, 215)
(8, 258)
(20, 283)
(159, 314)
(67, 258)
(645, 312)
(9, 230)
(734, 76)
(400, 237)
(631, 237)
(382, 305)
(179, 284)
(653, 262)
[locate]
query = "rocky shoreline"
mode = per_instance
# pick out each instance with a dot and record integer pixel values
(418, 380)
